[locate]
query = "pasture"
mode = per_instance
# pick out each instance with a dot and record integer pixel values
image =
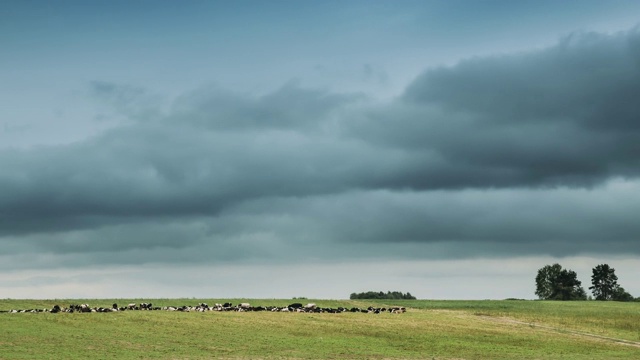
(428, 330)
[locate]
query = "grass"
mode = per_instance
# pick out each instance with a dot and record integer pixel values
(611, 319)
(430, 329)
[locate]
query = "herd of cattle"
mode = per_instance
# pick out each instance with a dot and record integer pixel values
(202, 307)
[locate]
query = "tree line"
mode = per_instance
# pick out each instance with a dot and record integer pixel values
(395, 295)
(555, 283)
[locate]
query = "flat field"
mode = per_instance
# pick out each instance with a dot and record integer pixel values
(428, 330)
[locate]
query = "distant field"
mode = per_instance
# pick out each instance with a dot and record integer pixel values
(429, 329)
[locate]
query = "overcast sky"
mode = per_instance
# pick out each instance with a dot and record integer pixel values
(291, 148)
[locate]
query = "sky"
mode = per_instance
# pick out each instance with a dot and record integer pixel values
(218, 149)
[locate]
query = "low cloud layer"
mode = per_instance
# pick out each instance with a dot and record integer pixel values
(525, 154)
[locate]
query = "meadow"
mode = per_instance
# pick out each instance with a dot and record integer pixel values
(430, 329)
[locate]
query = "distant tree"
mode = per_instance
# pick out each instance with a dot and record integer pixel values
(605, 282)
(546, 279)
(395, 295)
(619, 294)
(569, 287)
(555, 283)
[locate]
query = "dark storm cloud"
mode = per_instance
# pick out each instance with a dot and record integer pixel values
(176, 166)
(306, 173)
(562, 115)
(586, 78)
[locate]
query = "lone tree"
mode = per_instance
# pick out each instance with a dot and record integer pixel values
(604, 282)
(555, 283)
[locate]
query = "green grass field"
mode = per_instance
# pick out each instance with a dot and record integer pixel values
(429, 330)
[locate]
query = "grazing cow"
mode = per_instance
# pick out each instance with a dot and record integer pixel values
(227, 305)
(373, 310)
(310, 306)
(244, 306)
(202, 307)
(295, 306)
(131, 306)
